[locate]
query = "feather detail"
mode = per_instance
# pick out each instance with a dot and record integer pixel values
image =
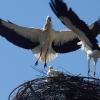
(48, 57)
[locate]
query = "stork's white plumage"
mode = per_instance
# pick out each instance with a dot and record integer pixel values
(51, 72)
(84, 33)
(91, 53)
(45, 42)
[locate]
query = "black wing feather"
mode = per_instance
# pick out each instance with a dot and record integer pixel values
(61, 10)
(66, 47)
(96, 28)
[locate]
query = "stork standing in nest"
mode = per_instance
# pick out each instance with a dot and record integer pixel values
(86, 35)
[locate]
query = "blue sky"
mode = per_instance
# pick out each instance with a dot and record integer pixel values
(15, 62)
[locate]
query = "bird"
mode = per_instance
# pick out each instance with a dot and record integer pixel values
(51, 72)
(45, 43)
(87, 35)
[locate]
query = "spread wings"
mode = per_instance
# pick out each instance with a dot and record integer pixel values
(28, 38)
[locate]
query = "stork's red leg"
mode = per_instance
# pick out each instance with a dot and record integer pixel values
(89, 66)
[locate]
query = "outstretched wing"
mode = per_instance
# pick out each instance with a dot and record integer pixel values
(20, 36)
(65, 41)
(72, 21)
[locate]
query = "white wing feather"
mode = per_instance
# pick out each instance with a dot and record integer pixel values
(63, 36)
(31, 33)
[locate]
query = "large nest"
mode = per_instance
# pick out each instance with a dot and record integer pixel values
(62, 87)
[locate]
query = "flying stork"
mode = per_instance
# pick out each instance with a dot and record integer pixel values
(44, 42)
(88, 41)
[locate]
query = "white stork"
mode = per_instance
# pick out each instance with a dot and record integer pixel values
(45, 42)
(84, 33)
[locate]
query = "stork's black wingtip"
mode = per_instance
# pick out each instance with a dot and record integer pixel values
(0, 21)
(59, 7)
(98, 21)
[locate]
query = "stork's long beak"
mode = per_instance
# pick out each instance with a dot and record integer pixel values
(47, 23)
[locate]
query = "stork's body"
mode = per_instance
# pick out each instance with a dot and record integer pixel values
(92, 53)
(46, 52)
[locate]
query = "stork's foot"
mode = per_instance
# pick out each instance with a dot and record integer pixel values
(36, 63)
(45, 65)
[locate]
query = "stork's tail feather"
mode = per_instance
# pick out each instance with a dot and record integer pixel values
(49, 56)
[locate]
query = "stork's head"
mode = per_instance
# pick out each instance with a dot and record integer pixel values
(47, 23)
(48, 19)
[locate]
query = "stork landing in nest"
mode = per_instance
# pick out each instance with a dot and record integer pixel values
(44, 42)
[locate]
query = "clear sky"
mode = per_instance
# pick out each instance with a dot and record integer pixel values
(15, 62)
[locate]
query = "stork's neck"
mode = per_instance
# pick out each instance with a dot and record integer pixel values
(47, 25)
